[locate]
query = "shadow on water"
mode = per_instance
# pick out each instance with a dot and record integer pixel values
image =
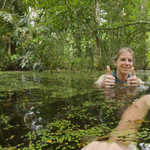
(40, 110)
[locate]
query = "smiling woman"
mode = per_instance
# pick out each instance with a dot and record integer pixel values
(123, 61)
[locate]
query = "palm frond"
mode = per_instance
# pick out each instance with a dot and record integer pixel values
(8, 18)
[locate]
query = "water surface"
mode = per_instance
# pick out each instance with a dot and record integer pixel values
(54, 111)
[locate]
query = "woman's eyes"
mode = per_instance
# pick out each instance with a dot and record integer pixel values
(122, 59)
(130, 60)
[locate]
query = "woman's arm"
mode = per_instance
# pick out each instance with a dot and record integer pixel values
(125, 133)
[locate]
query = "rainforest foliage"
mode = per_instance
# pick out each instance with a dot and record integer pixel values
(71, 34)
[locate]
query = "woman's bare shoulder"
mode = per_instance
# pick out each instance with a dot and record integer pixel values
(99, 81)
(140, 82)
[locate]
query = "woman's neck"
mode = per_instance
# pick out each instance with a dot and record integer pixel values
(122, 77)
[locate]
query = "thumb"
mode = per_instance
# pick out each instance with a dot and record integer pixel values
(132, 72)
(108, 70)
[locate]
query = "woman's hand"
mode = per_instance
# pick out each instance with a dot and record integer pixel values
(133, 80)
(109, 80)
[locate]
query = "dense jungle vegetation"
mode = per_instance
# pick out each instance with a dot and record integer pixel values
(63, 110)
(72, 34)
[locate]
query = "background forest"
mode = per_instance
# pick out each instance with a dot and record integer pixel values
(72, 34)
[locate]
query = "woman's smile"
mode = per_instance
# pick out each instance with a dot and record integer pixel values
(124, 63)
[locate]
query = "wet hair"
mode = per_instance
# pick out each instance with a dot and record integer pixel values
(121, 50)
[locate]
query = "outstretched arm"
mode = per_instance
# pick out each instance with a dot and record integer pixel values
(124, 133)
(131, 121)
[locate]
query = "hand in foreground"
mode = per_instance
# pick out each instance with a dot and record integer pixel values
(109, 80)
(132, 81)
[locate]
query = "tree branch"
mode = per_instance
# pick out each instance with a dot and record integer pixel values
(3, 5)
(119, 27)
(130, 24)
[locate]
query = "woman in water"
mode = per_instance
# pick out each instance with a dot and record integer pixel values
(123, 61)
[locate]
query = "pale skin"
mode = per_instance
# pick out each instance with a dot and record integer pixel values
(124, 65)
(109, 80)
(129, 124)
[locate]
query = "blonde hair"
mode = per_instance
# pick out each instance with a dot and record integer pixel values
(121, 50)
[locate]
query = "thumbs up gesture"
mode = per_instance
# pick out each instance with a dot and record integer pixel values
(109, 80)
(132, 81)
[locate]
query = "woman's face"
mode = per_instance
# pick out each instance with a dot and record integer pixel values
(124, 62)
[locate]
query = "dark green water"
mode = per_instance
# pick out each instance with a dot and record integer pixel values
(40, 110)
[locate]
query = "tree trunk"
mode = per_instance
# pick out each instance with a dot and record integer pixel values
(98, 55)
